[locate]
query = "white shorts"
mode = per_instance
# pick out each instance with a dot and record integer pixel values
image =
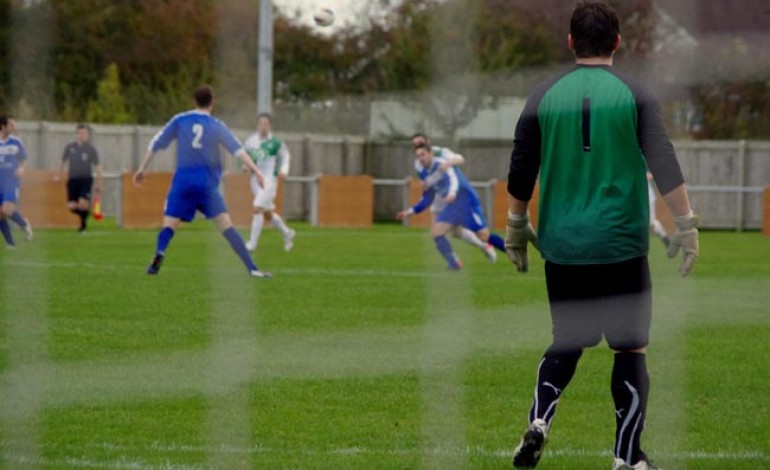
(264, 197)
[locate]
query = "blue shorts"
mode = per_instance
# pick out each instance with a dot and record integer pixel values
(183, 201)
(463, 212)
(9, 191)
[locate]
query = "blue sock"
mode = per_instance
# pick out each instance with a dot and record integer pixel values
(20, 221)
(236, 241)
(6, 229)
(497, 241)
(164, 238)
(445, 248)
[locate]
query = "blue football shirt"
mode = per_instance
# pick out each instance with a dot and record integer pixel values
(199, 136)
(12, 154)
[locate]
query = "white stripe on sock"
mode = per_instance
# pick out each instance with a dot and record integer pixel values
(631, 412)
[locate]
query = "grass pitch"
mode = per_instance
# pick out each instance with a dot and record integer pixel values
(362, 352)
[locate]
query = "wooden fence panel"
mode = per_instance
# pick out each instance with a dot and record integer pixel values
(44, 201)
(345, 201)
(143, 207)
(499, 219)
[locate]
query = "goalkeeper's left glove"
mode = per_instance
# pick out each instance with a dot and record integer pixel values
(686, 238)
(518, 234)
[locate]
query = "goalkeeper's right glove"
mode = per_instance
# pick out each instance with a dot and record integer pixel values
(686, 238)
(517, 235)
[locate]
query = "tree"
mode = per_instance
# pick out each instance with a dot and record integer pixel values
(158, 48)
(109, 106)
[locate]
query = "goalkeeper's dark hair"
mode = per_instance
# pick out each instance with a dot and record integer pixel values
(594, 28)
(204, 96)
(4, 118)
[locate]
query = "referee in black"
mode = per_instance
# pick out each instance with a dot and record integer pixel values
(591, 133)
(82, 159)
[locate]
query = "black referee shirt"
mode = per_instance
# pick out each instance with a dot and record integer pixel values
(81, 158)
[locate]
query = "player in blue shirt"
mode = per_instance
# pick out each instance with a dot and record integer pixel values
(195, 186)
(451, 158)
(12, 159)
(459, 204)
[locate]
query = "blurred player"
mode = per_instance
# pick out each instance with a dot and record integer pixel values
(460, 206)
(81, 157)
(451, 159)
(195, 186)
(655, 225)
(272, 158)
(12, 160)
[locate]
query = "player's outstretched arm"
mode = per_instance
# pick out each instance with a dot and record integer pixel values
(249, 163)
(405, 214)
(425, 201)
(21, 169)
(139, 175)
(686, 234)
(59, 174)
(99, 178)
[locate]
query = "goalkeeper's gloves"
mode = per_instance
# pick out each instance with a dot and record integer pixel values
(686, 238)
(518, 234)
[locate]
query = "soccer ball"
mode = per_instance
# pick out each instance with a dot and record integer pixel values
(324, 17)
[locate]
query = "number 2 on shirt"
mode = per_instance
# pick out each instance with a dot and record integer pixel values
(198, 131)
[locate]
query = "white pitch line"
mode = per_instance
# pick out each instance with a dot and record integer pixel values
(120, 464)
(447, 451)
(289, 271)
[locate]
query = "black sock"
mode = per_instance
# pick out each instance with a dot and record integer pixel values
(83, 213)
(630, 389)
(553, 375)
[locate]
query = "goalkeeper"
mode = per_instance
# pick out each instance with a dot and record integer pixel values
(590, 133)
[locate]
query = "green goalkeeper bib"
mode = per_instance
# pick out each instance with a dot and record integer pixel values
(593, 191)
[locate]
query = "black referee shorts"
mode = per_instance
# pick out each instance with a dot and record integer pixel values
(79, 188)
(589, 302)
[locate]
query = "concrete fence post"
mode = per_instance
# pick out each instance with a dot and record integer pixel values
(766, 213)
(741, 197)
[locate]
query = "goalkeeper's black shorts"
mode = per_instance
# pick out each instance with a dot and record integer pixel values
(589, 302)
